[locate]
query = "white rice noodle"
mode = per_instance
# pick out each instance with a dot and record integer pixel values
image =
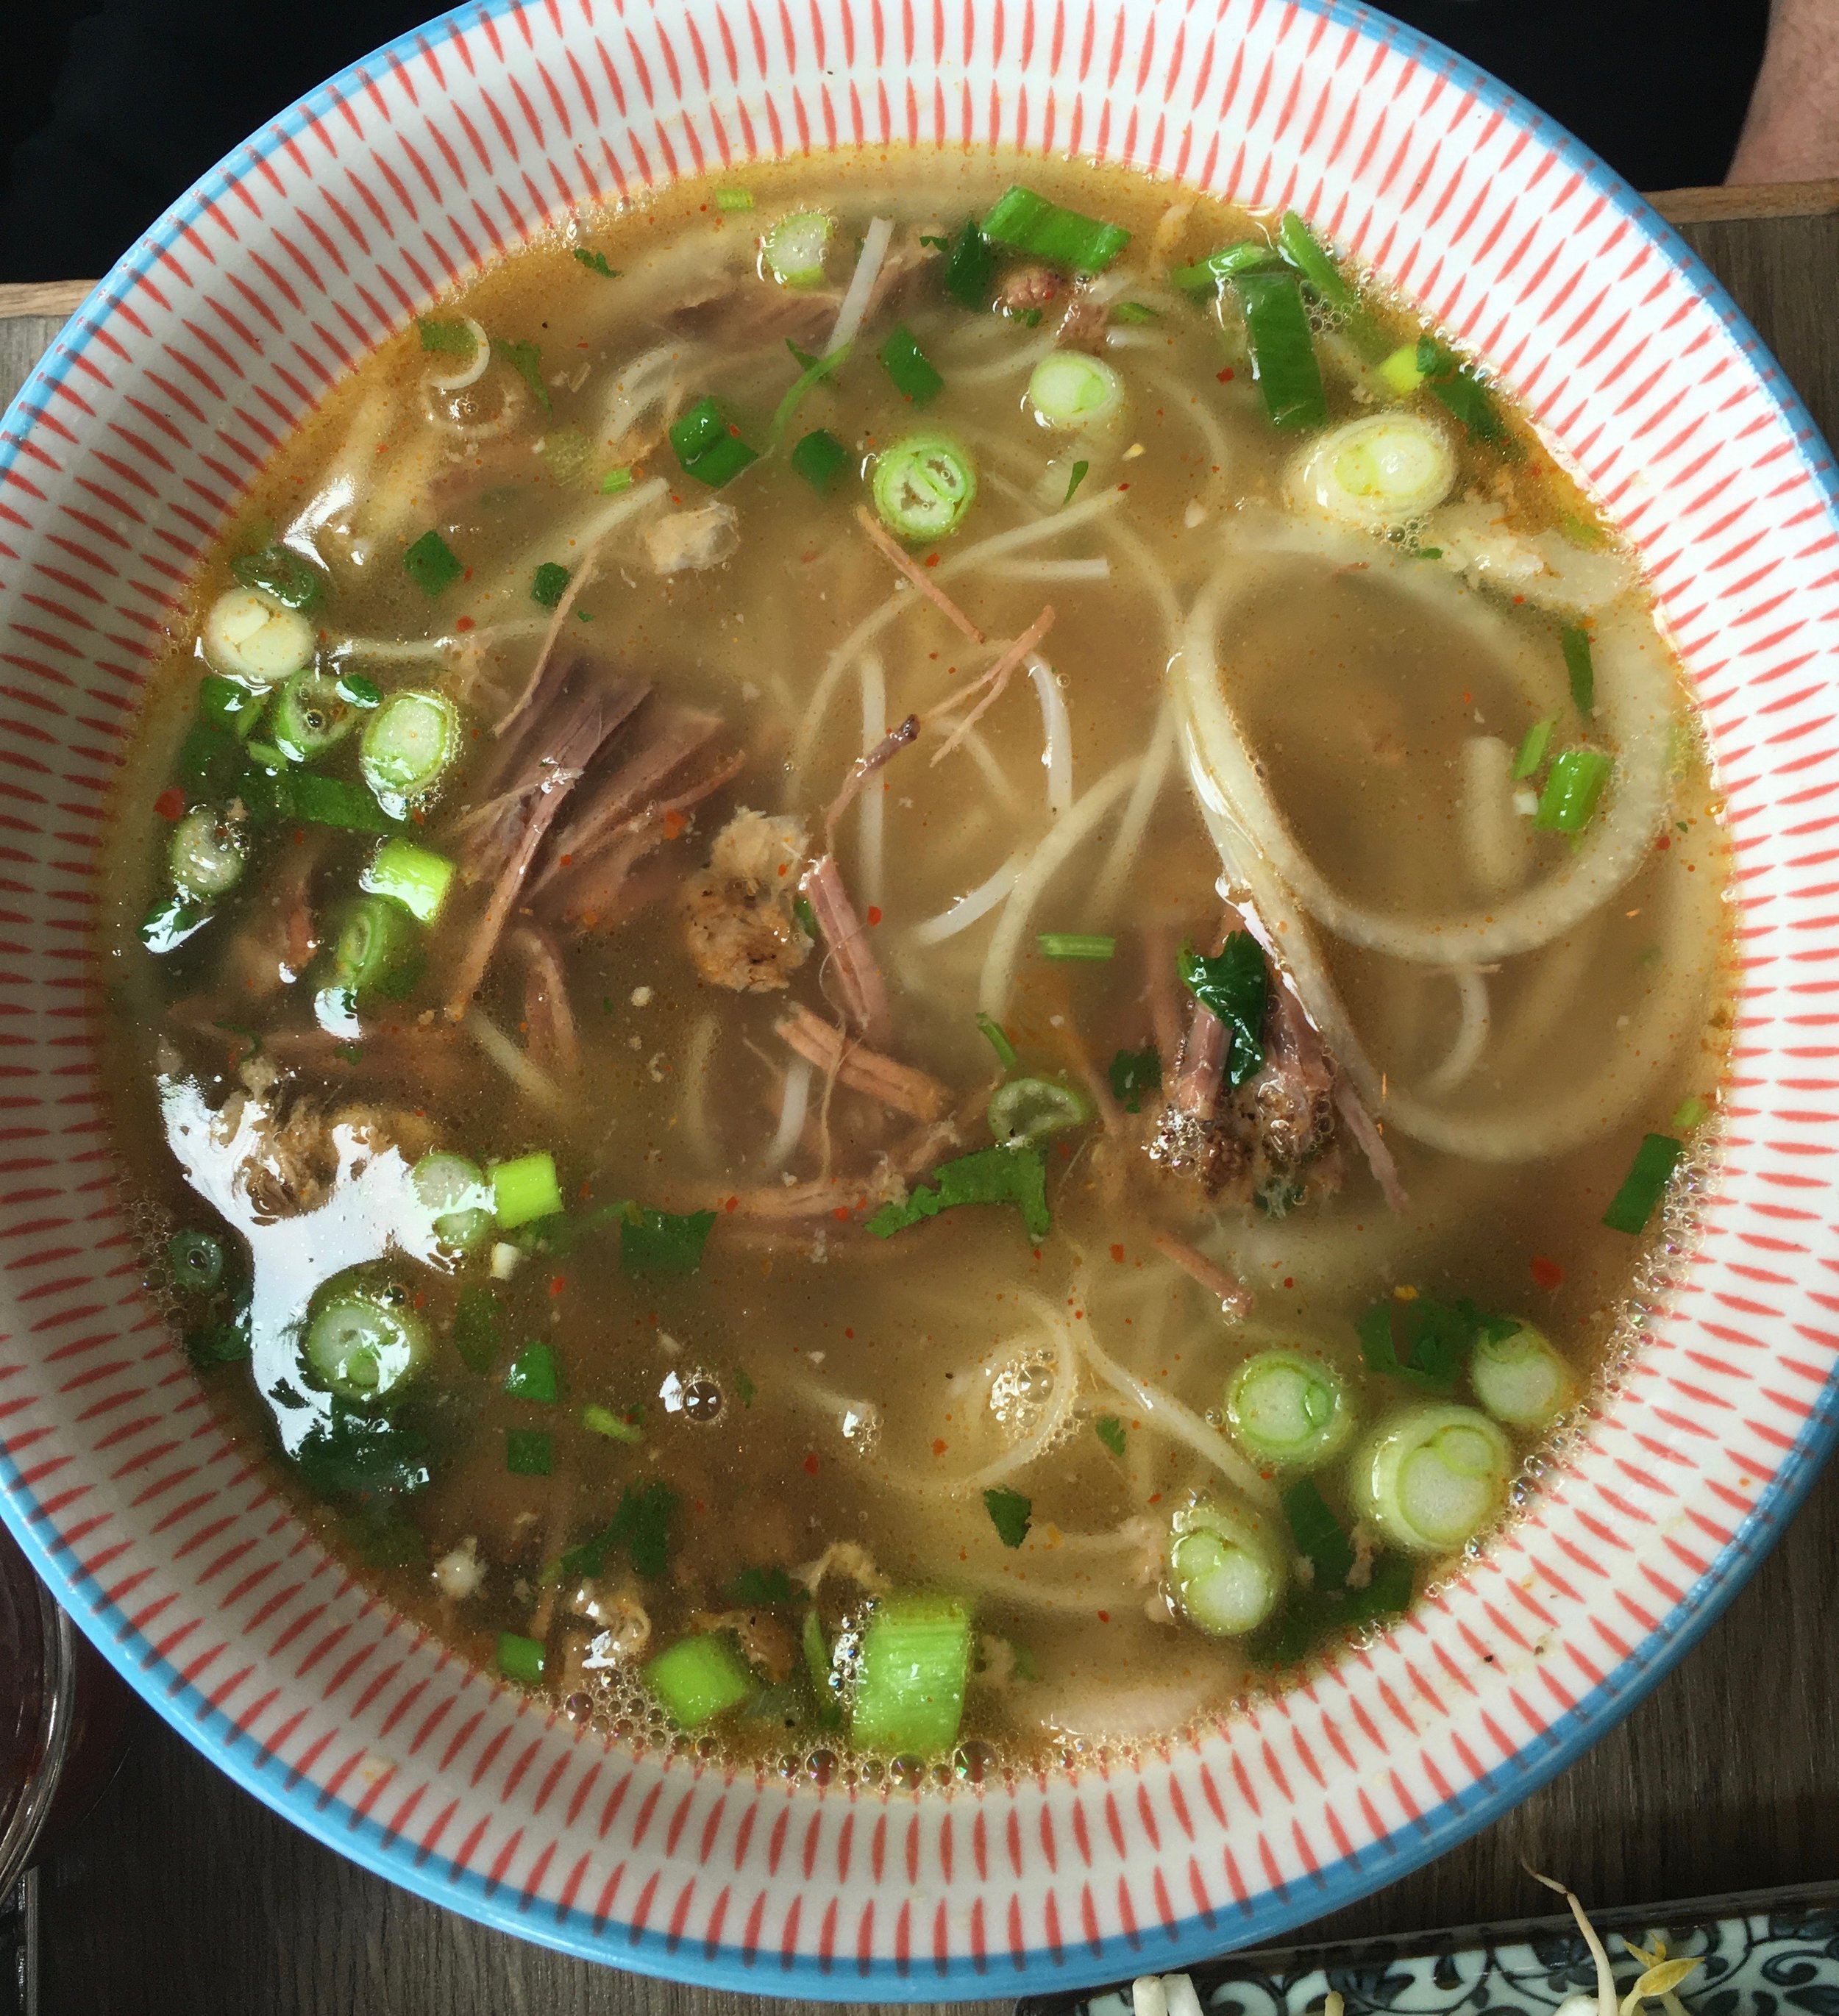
(1151, 781)
(1499, 840)
(1056, 729)
(694, 1107)
(1014, 365)
(536, 1085)
(978, 902)
(1098, 567)
(331, 505)
(643, 383)
(1471, 1035)
(1075, 826)
(871, 869)
(419, 650)
(1635, 697)
(1162, 1411)
(1155, 579)
(794, 1104)
(994, 776)
(875, 241)
(470, 372)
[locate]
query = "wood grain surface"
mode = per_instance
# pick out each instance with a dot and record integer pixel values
(181, 1894)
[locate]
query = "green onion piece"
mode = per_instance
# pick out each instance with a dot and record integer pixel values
(1010, 1513)
(1574, 788)
(595, 262)
(765, 1589)
(1109, 1431)
(1225, 1570)
(1068, 389)
(1031, 1109)
(1286, 1408)
(1282, 350)
(1080, 471)
(614, 481)
(521, 1659)
(1029, 223)
(969, 274)
(358, 690)
(320, 801)
(1645, 1184)
(811, 1642)
(732, 200)
(228, 705)
(1401, 371)
(598, 1421)
(210, 762)
(195, 1261)
(430, 564)
(1235, 983)
(526, 359)
(811, 370)
(1580, 531)
(533, 1375)
(915, 1660)
(1521, 1380)
(549, 584)
(280, 572)
(1688, 1113)
(923, 486)
(363, 1345)
(807, 916)
(1132, 1073)
(708, 446)
(794, 248)
(1128, 312)
(698, 1678)
(447, 338)
(311, 716)
(1577, 663)
(1462, 393)
(1075, 944)
(1318, 1534)
(911, 370)
(378, 949)
(475, 1327)
(167, 925)
(406, 744)
(524, 1189)
(1432, 1476)
(1533, 749)
(1310, 258)
(664, 1242)
(413, 875)
(530, 1451)
(455, 1192)
(1016, 1175)
(819, 457)
(998, 1038)
(206, 854)
(1206, 275)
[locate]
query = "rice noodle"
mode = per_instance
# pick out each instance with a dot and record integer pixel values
(536, 1085)
(1013, 366)
(418, 650)
(1097, 567)
(1075, 825)
(1164, 1412)
(693, 1078)
(980, 902)
(875, 241)
(473, 371)
(794, 1104)
(1001, 790)
(1471, 1036)
(1056, 757)
(636, 392)
(1499, 840)
(872, 826)
(1150, 783)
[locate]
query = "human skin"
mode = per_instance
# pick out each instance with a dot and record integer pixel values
(1792, 132)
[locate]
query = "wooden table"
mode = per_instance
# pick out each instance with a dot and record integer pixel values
(181, 1893)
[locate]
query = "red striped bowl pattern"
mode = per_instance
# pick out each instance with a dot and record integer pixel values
(129, 450)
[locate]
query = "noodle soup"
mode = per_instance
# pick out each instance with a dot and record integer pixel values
(907, 965)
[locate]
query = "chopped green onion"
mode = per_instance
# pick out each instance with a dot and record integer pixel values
(1206, 275)
(524, 1189)
(455, 1193)
(1462, 391)
(378, 949)
(1016, 1175)
(1379, 472)
(911, 1674)
(1132, 1073)
(598, 1421)
(1689, 1113)
(1580, 531)
(1310, 258)
(794, 248)
(923, 486)
(1432, 1476)
(207, 854)
(698, 1678)
(1027, 222)
(1068, 389)
(360, 691)
(1282, 351)
(1578, 663)
(708, 446)
(282, 575)
(311, 716)
(664, 1242)
(969, 274)
(914, 375)
(1128, 311)
(431, 564)
(818, 457)
(732, 200)
(363, 1345)
(1075, 944)
(1109, 1431)
(614, 481)
(1288, 1409)
(811, 370)
(447, 338)
(1010, 1513)
(406, 745)
(229, 705)
(1521, 1380)
(1574, 787)
(807, 916)
(595, 262)
(1235, 983)
(549, 584)
(195, 1261)
(1225, 1570)
(521, 1659)
(533, 1375)
(526, 359)
(1645, 1184)
(530, 1451)
(1533, 750)
(1031, 1109)
(333, 801)
(412, 875)
(1080, 470)
(997, 1037)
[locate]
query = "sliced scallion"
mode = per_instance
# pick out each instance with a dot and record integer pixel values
(698, 1678)
(708, 444)
(1288, 1409)
(549, 584)
(997, 1037)
(915, 375)
(794, 248)
(732, 201)
(1095, 945)
(407, 744)
(1310, 258)
(819, 458)
(970, 275)
(1431, 1477)
(521, 1659)
(207, 853)
(312, 715)
(432, 564)
(1205, 275)
(283, 575)
(413, 875)
(910, 1678)
(1520, 1379)
(1029, 223)
(455, 1192)
(377, 950)
(1581, 667)
(195, 1260)
(524, 1189)
(923, 486)
(363, 1344)
(1645, 1185)
(1283, 358)
(1574, 788)
(532, 1375)
(1533, 750)
(1226, 1569)
(1068, 389)
(1031, 1109)
(811, 370)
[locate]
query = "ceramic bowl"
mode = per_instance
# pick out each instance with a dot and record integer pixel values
(129, 448)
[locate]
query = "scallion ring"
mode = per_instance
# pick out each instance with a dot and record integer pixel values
(1431, 1477)
(1226, 1569)
(923, 486)
(1069, 389)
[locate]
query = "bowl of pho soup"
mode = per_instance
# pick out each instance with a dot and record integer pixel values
(876, 969)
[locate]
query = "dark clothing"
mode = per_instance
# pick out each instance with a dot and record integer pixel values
(107, 113)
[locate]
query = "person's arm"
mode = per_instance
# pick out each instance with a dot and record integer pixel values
(1792, 132)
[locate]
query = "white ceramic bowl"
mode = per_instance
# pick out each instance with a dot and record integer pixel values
(128, 450)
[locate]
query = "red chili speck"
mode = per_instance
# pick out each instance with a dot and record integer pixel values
(733, 1204)
(1224, 376)
(939, 1448)
(674, 822)
(874, 913)
(1665, 841)
(841, 1214)
(171, 804)
(464, 623)
(1117, 1254)
(811, 1464)
(557, 1283)
(1290, 1280)
(1104, 1617)
(932, 559)
(1547, 1273)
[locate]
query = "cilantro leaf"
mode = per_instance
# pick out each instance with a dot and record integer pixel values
(450, 339)
(549, 584)
(641, 1528)
(1425, 1340)
(1016, 1175)
(1133, 1073)
(1318, 1534)
(532, 1376)
(595, 262)
(1109, 1431)
(530, 1451)
(526, 359)
(1010, 1513)
(1236, 984)
(662, 1242)
(764, 1588)
(351, 1454)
